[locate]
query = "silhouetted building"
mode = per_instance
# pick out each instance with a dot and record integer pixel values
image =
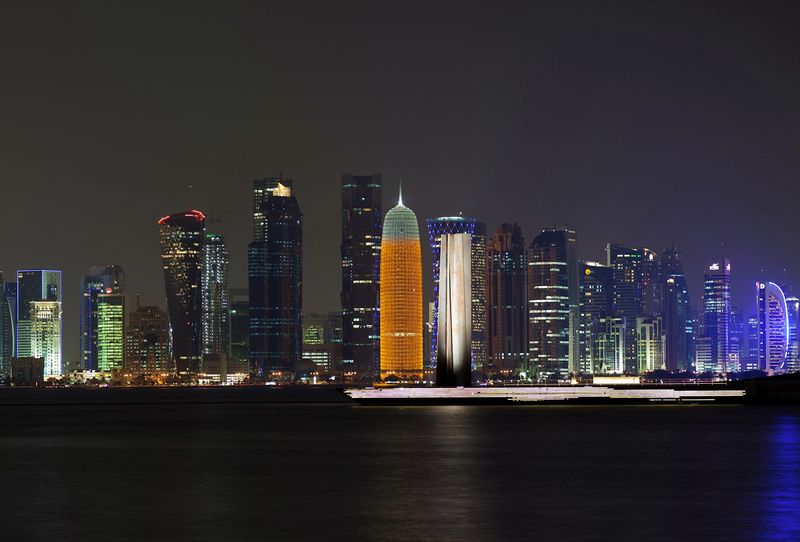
(6, 327)
(773, 328)
(107, 282)
(240, 324)
(553, 304)
(477, 232)
(147, 344)
(362, 224)
(275, 268)
(507, 314)
(262, 188)
(182, 239)
(596, 305)
(28, 371)
(39, 317)
(401, 296)
(216, 306)
(675, 311)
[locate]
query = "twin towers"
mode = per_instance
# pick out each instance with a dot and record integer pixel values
(401, 336)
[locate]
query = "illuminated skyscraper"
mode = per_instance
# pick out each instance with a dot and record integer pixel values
(182, 238)
(627, 265)
(106, 280)
(147, 344)
(675, 312)
(6, 327)
(507, 314)
(793, 352)
(596, 306)
(275, 269)
(216, 307)
(477, 231)
(553, 304)
(362, 224)
(110, 331)
(262, 188)
(713, 346)
(39, 326)
(773, 328)
(401, 296)
(649, 344)
(454, 325)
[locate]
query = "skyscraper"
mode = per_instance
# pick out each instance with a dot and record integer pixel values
(110, 330)
(675, 311)
(507, 314)
(6, 328)
(773, 327)
(39, 326)
(713, 348)
(793, 352)
(477, 231)
(627, 265)
(107, 281)
(147, 345)
(454, 329)
(216, 307)
(362, 224)
(182, 239)
(262, 188)
(649, 344)
(596, 305)
(275, 269)
(553, 304)
(240, 324)
(401, 296)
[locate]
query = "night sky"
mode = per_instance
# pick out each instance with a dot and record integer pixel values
(638, 124)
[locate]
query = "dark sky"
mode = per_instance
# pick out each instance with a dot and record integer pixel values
(638, 122)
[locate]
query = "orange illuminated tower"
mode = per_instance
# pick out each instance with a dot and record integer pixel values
(401, 296)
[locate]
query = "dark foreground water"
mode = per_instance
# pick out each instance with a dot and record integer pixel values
(324, 470)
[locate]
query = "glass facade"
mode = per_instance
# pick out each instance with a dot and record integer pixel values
(773, 328)
(39, 327)
(100, 280)
(110, 331)
(216, 306)
(596, 304)
(714, 352)
(147, 342)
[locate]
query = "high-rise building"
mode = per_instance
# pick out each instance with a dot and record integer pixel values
(627, 265)
(675, 311)
(553, 304)
(108, 281)
(507, 315)
(715, 354)
(110, 331)
(319, 346)
(182, 239)
(240, 324)
(596, 306)
(147, 342)
(773, 327)
(401, 296)
(738, 339)
(362, 224)
(651, 283)
(275, 269)
(10, 307)
(611, 337)
(262, 188)
(6, 328)
(216, 307)
(454, 324)
(751, 359)
(793, 352)
(649, 344)
(39, 326)
(477, 232)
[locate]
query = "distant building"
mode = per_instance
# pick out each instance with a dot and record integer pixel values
(627, 264)
(611, 337)
(773, 328)
(362, 225)
(793, 353)
(675, 312)
(713, 348)
(454, 324)
(320, 346)
(27, 371)
(507, 314)
(401, 296)
(750, 362)
(477, 232)
(240, 324)
(650, 344)
(182, 239)
(215, 303)
(39, 317)
(596, 305)
(147, 344)
(275, 270)
(108, 282)
(262, 189)
(7, 324)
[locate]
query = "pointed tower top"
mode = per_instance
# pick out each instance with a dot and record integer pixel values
(400, 191)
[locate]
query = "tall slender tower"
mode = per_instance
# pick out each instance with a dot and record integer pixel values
(182, 238)
(773, 327)
(713, 348)
(216, 308)
(437, 227)
(362, 224)
(39, 317)
(454, 330)
(675, 311)
(627, 268)
(507, 314)
(6, 329)
(106, 283)
(597, 300)
(552, 285)
(275, 269)
(401, 296)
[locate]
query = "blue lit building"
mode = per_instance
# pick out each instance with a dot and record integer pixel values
(713, 351)
(477, 231)
(773, 327)
(675, 311)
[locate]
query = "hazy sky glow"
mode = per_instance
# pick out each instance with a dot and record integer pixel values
(638, 123)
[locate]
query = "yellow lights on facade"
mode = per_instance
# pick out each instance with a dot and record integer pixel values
(401, 297)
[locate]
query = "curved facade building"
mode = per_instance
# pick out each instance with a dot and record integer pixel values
(773, 327)
(401, 296)
(182, 237)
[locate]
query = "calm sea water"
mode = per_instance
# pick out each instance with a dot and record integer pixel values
(305, 466)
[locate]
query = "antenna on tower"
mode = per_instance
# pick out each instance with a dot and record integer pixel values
(189, 197)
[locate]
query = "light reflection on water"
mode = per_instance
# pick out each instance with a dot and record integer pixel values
(782, 505)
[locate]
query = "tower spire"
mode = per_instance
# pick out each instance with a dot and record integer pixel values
(400, 196)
